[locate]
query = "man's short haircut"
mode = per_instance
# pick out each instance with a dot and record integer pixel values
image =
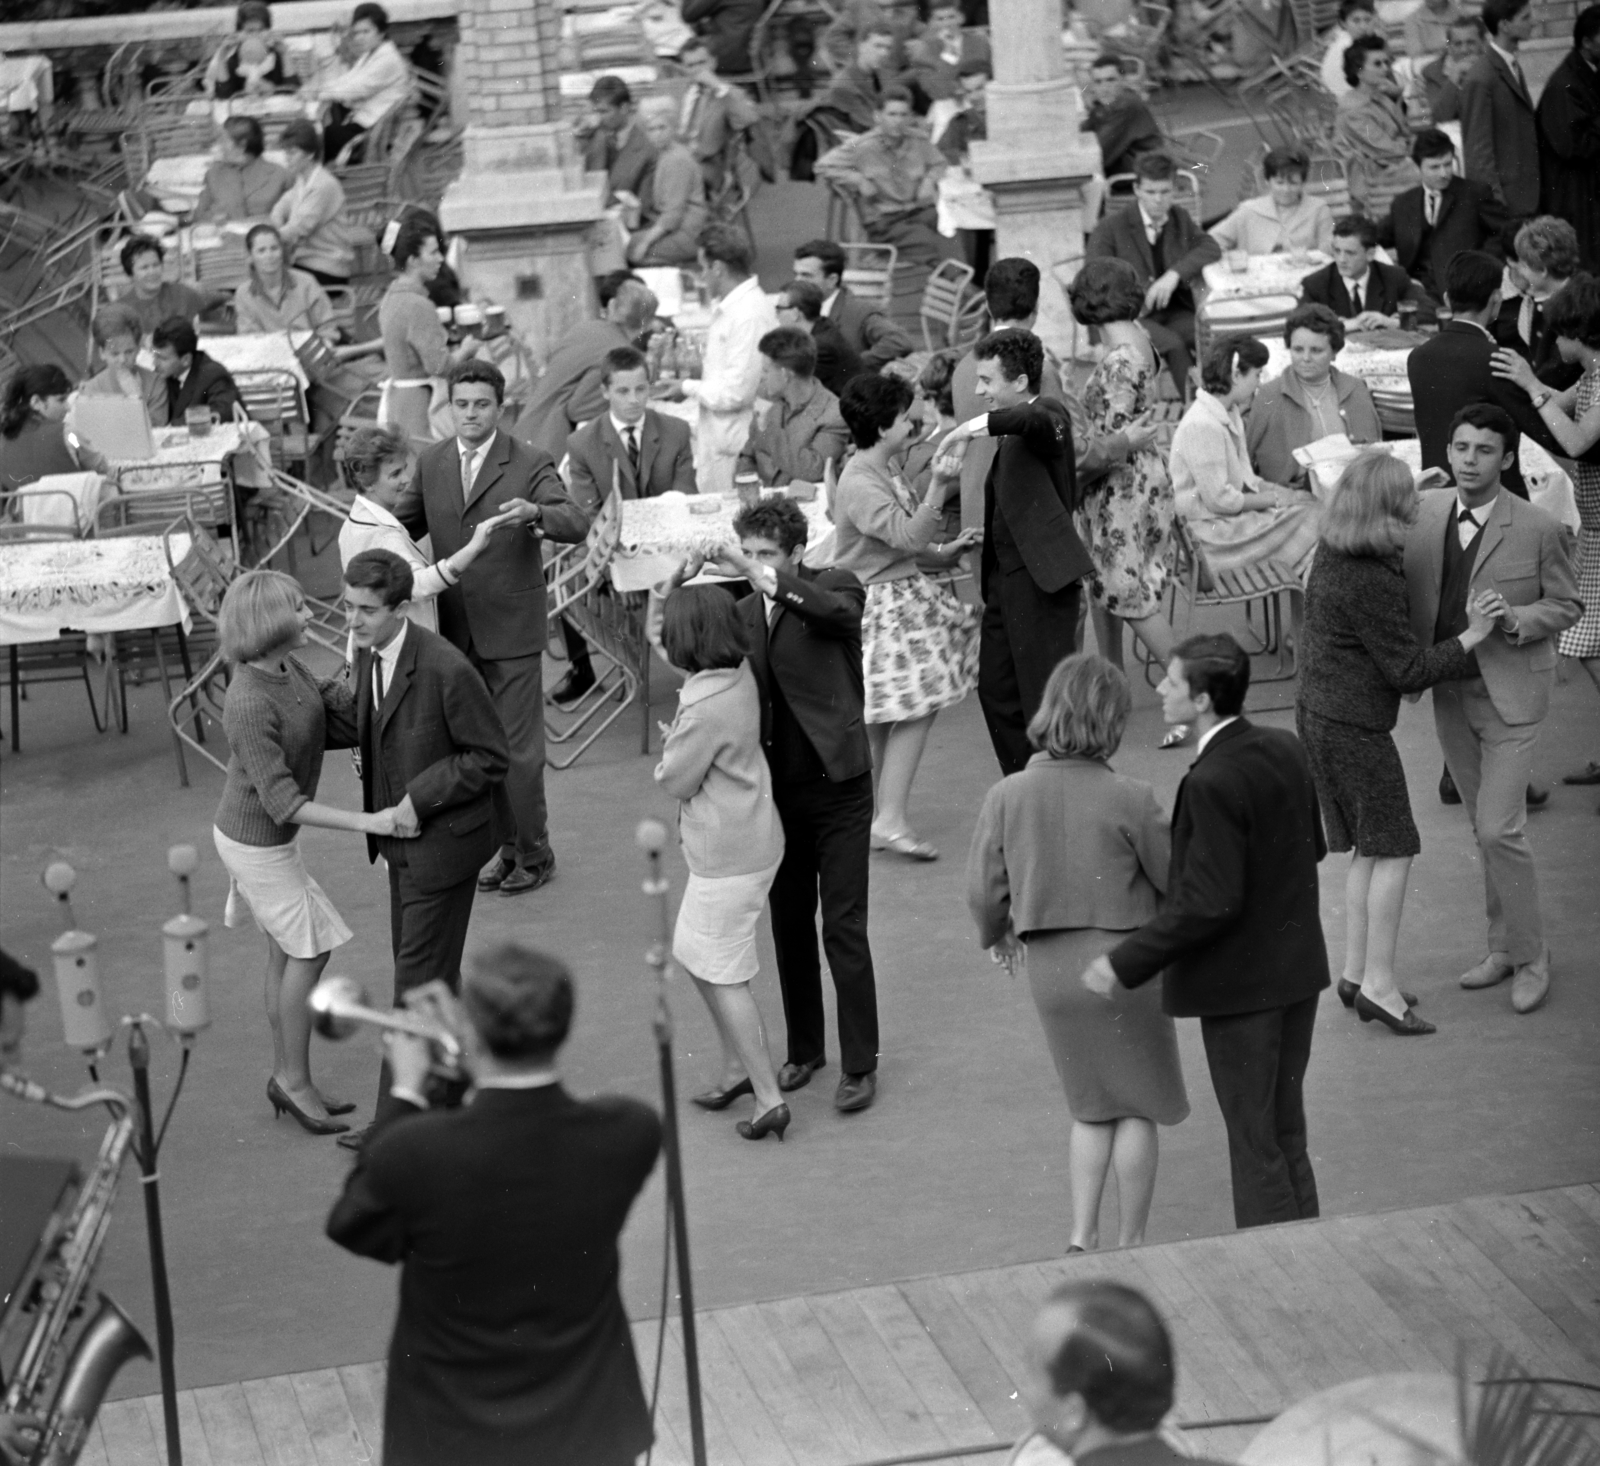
(1488, 418)
(116, 319)
(139, 244)
(1357, 226)
(1117, 1356)
(806, 297)
(1282, 162)
(778, 519)
(1355, 56)
(1020, 354)
(1432, 142)
(1348, 7)
(792, 347)
(638, 305)
(1217, 370)
(1105, 59)
(701, 630)
(1371, 507)
(178, 333)
(1471, 279)
(368, 10)
(382, 571)
(519, 1001)
(411, 239)
(1587, 25)
(1106, 290)
(475, 370)
(622, 359)
(894, 94)
(302, 134)
(1473, 26)
(1084, 709)
(368, 449)
(1012, 289)
(826, 253)
(1549, 244)
(607, 285)
(1155, 168)
(260, 612)
(1574, 311)
(1318, 318)
(246, 132)
(719, 242)
(871, 402)
(1216, 665)
(1496, 13)
(611, 91)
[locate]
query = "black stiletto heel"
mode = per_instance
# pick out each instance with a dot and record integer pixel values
(1408, 1027)
(281, 1104)
(774, 1122)
(719, 1099)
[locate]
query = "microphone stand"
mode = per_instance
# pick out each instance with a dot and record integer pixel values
(652, 837)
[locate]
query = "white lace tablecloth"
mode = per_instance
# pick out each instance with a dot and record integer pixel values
(259, 351)
(964, 203)
(178, 180)
(659, 534)
(1378, 367)
(182, 461)
(1278, 274)
(50, 586)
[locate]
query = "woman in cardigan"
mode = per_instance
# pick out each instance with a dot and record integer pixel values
(1358, 655)
(1067, 856)
(673, 204)
(1311, 400)
(34, 440)
(713, 764)
(279, 719)
(919, 641)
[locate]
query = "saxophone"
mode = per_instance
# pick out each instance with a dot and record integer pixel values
(70, 1249)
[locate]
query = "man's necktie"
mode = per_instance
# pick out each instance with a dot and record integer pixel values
(1355, 297)
(633, 452)
(1432, 210)
(467, 456)
(1516, 71)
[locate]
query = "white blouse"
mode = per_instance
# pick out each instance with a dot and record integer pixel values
(372, 527)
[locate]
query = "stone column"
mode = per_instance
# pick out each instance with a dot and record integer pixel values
(523, 204)
(1035, 161)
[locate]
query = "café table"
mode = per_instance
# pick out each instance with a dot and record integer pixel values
(1274, 274)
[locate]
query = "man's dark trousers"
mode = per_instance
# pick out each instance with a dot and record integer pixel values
(827, 832)
(521, 815)
(1025, 633)
(1258, 1068)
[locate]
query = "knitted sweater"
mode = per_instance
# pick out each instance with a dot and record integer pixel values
(278, 724)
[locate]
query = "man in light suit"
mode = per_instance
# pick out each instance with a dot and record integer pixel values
(645, 452)
(432, 749)
(496, 612)
(1478, 542)
(1499, 131)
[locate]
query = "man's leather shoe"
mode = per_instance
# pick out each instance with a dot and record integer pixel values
(1448, 793)
(490, 877)
(796, 1076)
(1588, 774)
(528, 878)
(1531, 985)
(354, 1139)
(1496, 967)
(573, 686)
(855, 1092)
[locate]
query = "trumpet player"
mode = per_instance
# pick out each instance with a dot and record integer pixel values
(511, 1344)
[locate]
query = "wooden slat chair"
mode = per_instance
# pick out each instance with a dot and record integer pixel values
(947, 299)
(1396, 412)
(223, 268)
(1205, 588)
(869, 271)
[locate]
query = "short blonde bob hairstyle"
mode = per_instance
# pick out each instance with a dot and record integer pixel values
(260, 614)
(1372, 506)
(1084, 709)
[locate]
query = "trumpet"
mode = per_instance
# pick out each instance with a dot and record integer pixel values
(339, 1006)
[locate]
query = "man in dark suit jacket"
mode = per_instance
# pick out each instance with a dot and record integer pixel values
(193, 378)
(1499, 132)
(1359, 289)
(800, 304)
(496, 613)
(1569, 137)
(1239, 943)
(1033, 561)
(432, 748)
(804, 630)
(865, 327)
(1169, 250)
(1119, 119)
(644, 452)
(1465, 215)
(511, 1344)
(617, 145)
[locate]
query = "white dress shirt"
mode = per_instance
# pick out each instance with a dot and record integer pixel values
(729, 376)
(1211, 733)
(516, 1081)
(1469, 520)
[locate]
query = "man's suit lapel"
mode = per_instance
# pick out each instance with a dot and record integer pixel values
(649, 442)
(489, 474)
(617, 451)
(1509, 79)
(1449, 197)
(1494, 531)
(1134, 224)
(1431, 522)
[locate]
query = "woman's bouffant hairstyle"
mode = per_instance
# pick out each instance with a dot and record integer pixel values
(701, 630)
(1549, 244)
(44, 380)
(778, 519)
(260, 613)
(1216, 371)
(1084, 709)
(520, 1001)
(1316, 318)
(1574, 311)
(1371, 507)
(870, 403)
(116, 319)
(302, 135)
(938, 381)
(1284, 162)
(1356, 56)
(368, 449)
(255, 233)
(1106, 290)
(247, 133)
(409, 240)
(139, 244)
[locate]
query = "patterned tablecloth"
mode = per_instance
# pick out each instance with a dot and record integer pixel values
(183, 461)
(659, 534)
(49, 586)
(1278, 274)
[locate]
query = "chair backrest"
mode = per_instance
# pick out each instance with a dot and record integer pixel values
(46, 509)
(947, 291)
(223, 267)
(869, 271)
(270, 397)
(1329, 180)
(203, 572)
(576, 570)
(13, 532)
(208, 503)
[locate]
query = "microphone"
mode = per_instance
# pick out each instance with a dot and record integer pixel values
(186, 939)
(77, 966)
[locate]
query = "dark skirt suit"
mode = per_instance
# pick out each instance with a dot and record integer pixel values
(1074, 856)
(1359, 655)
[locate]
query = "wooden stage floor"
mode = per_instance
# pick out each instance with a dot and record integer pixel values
(929, 1368)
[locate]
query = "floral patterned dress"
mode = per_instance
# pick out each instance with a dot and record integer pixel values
(1126, 518)
(1583, 639)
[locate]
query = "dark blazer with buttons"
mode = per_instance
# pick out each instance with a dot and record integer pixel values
(1033, 439)
(498, 609)
(1500, 134)
(1382, 291)
(1186, 247)
(596, 451)
(813, 649)
(1241, 931)
(208, 384)
(437, 738)
(1470, 217)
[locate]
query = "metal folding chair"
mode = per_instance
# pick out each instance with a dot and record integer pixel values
(1205, 588)
(948, 297)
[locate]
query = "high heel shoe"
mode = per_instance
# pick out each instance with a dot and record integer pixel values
(720, 1099)
(1408, 1027)
(1347, 996)
(281, 1102)
(774, 1122)
(337, 1107)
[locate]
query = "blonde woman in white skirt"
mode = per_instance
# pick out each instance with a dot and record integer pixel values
(713, 764)
(919, 641)
(279, 719)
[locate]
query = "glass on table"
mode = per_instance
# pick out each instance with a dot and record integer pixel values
(1238, 261)
(198, 420)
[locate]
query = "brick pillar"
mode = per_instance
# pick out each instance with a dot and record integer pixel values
(523, 205)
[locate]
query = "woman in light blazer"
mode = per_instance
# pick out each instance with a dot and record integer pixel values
(713, 764)
(1067, 856)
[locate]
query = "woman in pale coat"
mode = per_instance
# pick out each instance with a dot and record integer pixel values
(713, 764)
(1067, 856)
